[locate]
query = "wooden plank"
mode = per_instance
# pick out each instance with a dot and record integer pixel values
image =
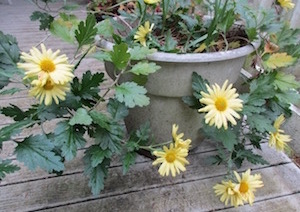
(67, 189)
(286, 203)
(26, 175)
(194, 195)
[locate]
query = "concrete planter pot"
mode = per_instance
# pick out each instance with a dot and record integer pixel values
(168, 85)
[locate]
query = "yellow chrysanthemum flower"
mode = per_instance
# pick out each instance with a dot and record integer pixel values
(49, 91)
(151, 1)
(221, 105)
(46, 64)
(286, 4)
(172, 160)
(179, 142)
(143, 31)
(227, 192)
(247, 185)
(278, 139)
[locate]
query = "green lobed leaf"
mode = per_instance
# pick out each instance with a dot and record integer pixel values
(140, 52)
(100, 118)
(102, 56)
(14, 112)
(251, 157)
(69, 139)
(86, 31)
(10, 91)
(88, 88)
(96, 174)
(81, 117)
(128, 160)
(109, 139)
(105, 28)
(132, 95)
(288, 97)
(7, 168)
(144, 68)
(120, 56)
(117, 110)
(143, 133)
(9, 56)
(261, 123)
(7, 132)
(227, 137)
(170, 43)
(45, 19)
(62, 30)
(97, 155)
(285, 82)
(192, 102)
(198, 85)
(37, 151)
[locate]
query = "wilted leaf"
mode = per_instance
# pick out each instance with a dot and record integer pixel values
(279, 60)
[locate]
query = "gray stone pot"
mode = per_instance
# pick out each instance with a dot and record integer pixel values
(168, 85)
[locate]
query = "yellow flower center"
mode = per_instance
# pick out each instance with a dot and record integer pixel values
(221, 104)
(170, 157)
(244, 187)
(47, 65)
(48, 85)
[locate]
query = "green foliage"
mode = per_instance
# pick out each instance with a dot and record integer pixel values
(68, 138)
(285, 82)
(140, 52)
(45, 19)
(132, 95)
(10, 91)
(86, 31)
(198, 85)
(117, 110)
(81, 117)
(6, 168)
(64, 27)
(7, 132)
(102, 56)
(88, 89)
(108, 133)
(98, 155)
(105, 29)
(144, 68)
(128, 160)
(138, 138)
(38, 151)
(227, 137)
(120, 56)
(9, 56)
(96, 174)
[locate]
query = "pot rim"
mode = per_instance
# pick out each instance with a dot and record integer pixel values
(191, 57)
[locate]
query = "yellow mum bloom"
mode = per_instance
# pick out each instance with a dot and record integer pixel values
(151, 1)
(179, 142)
(49, 91)
(46, 64)
(142, 33)
(247, 185)
(286, 4)
(221, 105)
(227, 192)
(278, 139)
(171, 159)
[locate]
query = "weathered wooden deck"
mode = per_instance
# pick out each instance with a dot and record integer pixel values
(142, 189)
